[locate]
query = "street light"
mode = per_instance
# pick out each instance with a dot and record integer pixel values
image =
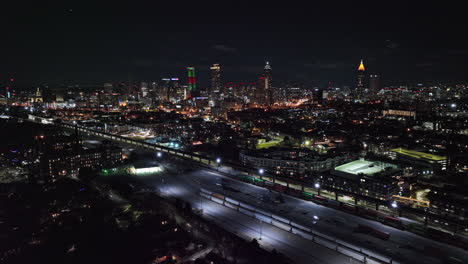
(317, 186)
(261, 171)
(394, 205)
(159, 154)
(218, 161)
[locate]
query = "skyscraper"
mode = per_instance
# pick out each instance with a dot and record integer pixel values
(317, 96)
(360, 77)
(268, 93)
(374, 82)
(260, 91)
(191, 82)
(215, 81)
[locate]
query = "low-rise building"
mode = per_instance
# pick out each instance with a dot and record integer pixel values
(69, 163)
(291, 162)
(373, 179)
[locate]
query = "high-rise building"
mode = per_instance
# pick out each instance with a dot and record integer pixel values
(260, 91)
(191, 82)
(268, 93)
(170, 90)
(374, 82)
(317, 96)
(144, 89)
(360, 77)
(215, 81)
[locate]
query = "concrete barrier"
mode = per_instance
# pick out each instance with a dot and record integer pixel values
(246, 211)
(206, 191)
(232, 201)
(303, 228)
(345, 244)
(217, 200)
(325, 242)
(351, 253)
(246, 206)
(282, 219)
(281, 225)
(260, 211)
(263, 218)
(207, 196)
(301, 233)
(230, 205)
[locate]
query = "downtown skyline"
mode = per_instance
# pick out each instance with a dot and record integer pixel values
(98, 43)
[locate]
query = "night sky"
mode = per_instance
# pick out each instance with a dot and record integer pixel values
(82, 42)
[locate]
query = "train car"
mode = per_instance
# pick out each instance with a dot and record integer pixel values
(373, 232)
(381, 234)
(279, 188)
(320, 199)
(348, 208)
(334, 204)
(393, 221)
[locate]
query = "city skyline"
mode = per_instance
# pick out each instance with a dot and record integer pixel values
(93, 44)
(227, 132)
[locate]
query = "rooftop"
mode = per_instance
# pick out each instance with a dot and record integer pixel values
(363, 166)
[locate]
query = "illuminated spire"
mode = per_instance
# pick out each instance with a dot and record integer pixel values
(361, 67)
(267, 66)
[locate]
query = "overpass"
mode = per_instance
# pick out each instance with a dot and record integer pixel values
(138, 143)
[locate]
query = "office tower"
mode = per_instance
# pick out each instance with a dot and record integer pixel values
(260, 91)
(360, 77)
(317, 96)
(108, 88)
(170, 90)
(268, 93)
(267, 74)
(191, 82)
(215, 81)
(143, 89)
(374, 82)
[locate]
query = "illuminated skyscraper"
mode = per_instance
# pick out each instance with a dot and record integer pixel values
(267, 73)
(191, 82)
(317, 96)
(144, 89)
(360, 77)
(215, 80)
(268, 93)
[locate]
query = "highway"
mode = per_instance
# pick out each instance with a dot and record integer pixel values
(405, 247)
(298, 249)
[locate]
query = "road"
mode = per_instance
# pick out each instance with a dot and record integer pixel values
(402, 246)
(298, 249)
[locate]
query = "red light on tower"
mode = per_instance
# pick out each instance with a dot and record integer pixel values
(12, 80)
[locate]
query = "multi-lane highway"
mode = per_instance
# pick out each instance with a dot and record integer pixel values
(404, 247)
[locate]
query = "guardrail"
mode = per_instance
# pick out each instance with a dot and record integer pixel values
(359, 254)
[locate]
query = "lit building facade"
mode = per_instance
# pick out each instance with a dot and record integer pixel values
(191, 81)
(360, 77)
(215, 89)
